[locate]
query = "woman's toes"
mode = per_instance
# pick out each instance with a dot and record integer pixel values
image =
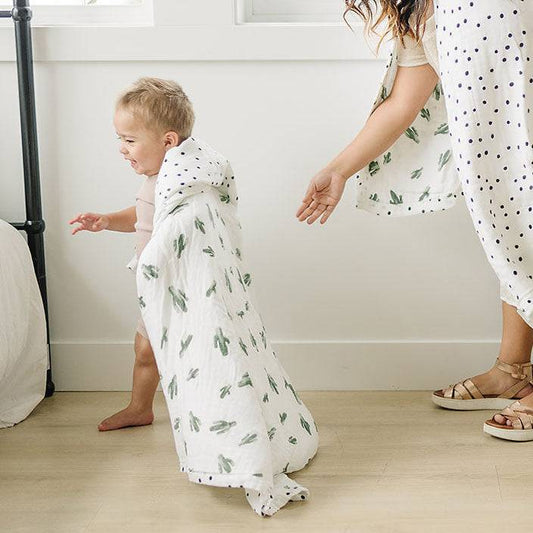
(499, 419)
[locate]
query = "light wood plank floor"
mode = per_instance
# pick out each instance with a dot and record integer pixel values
(388, 462)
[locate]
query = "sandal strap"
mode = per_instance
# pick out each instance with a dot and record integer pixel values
(465, 390)
(517, 370)
(520, 416)
(521, 371)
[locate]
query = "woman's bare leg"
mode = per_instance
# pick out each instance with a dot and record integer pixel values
(515, 347)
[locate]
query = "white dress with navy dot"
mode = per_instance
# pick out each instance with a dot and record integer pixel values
(483, 53)
(486, 68)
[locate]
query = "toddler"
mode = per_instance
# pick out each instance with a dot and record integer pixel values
(143, 142)
(237, 420)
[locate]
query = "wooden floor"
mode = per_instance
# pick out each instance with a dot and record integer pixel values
(388, 462)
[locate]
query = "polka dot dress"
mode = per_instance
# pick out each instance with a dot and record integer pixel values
(486, 68)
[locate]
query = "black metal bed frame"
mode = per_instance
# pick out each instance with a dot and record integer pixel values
(34, 225)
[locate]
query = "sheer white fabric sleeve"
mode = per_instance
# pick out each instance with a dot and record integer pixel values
(411, 53)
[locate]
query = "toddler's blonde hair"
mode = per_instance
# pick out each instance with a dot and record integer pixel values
(161, 105)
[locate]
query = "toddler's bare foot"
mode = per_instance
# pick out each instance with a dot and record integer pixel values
(126, 418)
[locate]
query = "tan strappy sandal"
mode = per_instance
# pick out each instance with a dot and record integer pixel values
(465, 396)
(521, 428)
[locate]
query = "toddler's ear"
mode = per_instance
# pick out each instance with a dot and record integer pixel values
(172, 139)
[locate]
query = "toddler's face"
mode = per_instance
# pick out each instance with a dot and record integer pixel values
(144, 149)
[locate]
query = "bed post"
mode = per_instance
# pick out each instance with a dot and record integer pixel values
(34, 225)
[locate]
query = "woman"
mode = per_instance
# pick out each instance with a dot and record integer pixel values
(452, 116)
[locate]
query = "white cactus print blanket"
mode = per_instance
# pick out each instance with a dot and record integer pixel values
(237, 420)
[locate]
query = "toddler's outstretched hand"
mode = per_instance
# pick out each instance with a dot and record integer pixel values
(322, 196)
(90, 222)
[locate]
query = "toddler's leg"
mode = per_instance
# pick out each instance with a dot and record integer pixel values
(145, 379)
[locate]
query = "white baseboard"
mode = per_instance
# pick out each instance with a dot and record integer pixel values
(403, 365)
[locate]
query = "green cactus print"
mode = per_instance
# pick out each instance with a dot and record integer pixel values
(240, 314)
(177, 424)
(374, 197)
(282, 417)
(178, 208)
(173, 387)
(241, 281)
(291, 388)
(437, 91)
(373, 167)
(150, 271)
(425, 194)
(262, 334)
(164, 338)
(293, 440)
(387, 158)
(395, 199)
(194, 422)
(412, 134)
(417, 173)
(224, 464)
(271, 432)
(424, 113)
(442, 129)
(179, 244)
(245, 381)
(243, 346)
(221, 242)
(257, 475)
(221, 342)
(238, 253)
(225, 390)
(224, 198)
(209, 251)
(179, 299)
(211, 216)
(142, 304)
(272, 383)
(265, 398)
(248, 439)
(212, 289)
(222, 426)
(193, 373)
(383, 94)
(228, 283)
(444, 158)
(198, 224)
(185, 344)
(305, 424)
(254, 342)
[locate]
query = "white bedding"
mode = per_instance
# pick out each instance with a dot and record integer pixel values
(23, 349)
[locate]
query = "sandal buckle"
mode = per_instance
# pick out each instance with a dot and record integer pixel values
(518, 374)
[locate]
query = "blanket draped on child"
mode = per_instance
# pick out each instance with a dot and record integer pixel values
(236, 418)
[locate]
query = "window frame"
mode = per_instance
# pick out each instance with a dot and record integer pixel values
(63, 15)
(282, 13)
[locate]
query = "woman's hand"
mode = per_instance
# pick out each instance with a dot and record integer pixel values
(90, 222)
(322, 196)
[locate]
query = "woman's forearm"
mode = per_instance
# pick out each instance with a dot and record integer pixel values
(384, 126)
(123, 220)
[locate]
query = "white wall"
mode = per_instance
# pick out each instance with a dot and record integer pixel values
(362, 302)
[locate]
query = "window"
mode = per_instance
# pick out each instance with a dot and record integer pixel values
(307, 11)
(88, 12)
